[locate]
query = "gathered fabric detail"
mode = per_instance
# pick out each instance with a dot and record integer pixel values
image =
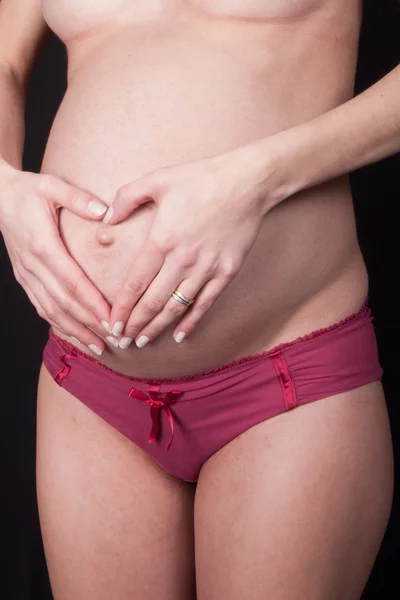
(287, 384)
(180, 430)
(157, 402)
(62, 373)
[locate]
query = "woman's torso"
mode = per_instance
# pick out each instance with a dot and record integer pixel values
(157, 83)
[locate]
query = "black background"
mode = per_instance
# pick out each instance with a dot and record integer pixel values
(23, 574)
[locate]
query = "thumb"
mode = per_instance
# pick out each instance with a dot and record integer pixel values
(81, 203)
(129, 197)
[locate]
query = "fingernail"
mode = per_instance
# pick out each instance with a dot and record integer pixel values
(95, 349)
(112, 341)
(180, 336)
(109, 215)
(106, 326)
(125, 343)
(74, 339)
(96, 208)
(118, 327)
(142, 341)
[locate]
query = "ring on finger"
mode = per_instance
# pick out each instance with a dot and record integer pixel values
(181, 298)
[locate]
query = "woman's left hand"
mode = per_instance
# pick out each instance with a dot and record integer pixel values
(208, 217)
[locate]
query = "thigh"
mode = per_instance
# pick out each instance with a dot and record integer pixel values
(114, 525)
(297, 506)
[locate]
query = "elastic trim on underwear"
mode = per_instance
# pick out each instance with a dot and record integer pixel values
(244, 359)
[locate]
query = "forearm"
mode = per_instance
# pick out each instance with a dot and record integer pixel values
(12, 118)
(362, 131)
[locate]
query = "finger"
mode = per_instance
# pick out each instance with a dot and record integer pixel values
(60, 320)
(131, 196)
(80, 202)
(172, 310)
(145, 267)
(65, 301)
(73, 279)
(156, 296)
(42, 313)
(202, 304)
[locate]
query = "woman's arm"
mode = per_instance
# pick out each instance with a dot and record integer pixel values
(233, 193)
(359, 132)
(55, 284)
(22, 29)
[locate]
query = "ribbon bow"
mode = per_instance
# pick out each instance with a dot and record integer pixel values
(158, 401)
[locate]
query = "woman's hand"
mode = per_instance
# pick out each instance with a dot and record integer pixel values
(208, 217)
(56, 286)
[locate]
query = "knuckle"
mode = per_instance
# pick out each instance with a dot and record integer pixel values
(229, 269)
(119, 196)
(41, 312)
(166, 243)
(93, 325)
(89, 321)
(37, 247)
(208, 272)
(135, 286)
(153, 306)
(64, 305)
(205, 304)
(63, 309)
(131, 330)
(52, 312)
(26, 261)
(122, 307)
(122, 194)
(176, 308)
(18, 277)
(71, 286)
(187, 258)
(74, 197)
(208, 268)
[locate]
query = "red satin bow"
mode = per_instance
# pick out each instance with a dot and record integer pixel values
(157, 401)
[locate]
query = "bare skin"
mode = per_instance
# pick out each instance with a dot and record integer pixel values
(202, 85)
(297, 506)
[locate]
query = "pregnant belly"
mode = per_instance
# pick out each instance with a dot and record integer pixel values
(119, 121)
(295, 279)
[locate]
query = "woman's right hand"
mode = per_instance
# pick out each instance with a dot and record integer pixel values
(54, 283)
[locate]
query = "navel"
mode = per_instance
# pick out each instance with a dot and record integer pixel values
(104, 236)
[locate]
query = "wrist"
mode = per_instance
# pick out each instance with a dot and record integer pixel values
(7, 175)
(269, 167)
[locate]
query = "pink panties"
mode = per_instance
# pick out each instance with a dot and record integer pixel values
(180, 422)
